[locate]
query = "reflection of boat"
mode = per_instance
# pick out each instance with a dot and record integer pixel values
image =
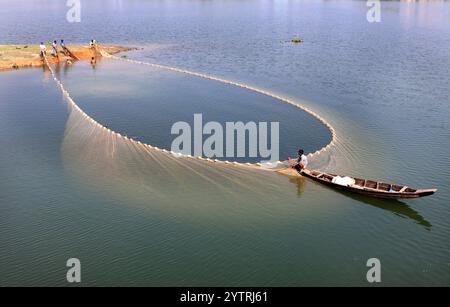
(392, 205)
(367, 187)
(395, 206)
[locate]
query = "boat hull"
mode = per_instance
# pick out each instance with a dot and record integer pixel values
(367, 191)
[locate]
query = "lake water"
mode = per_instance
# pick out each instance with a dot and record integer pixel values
(68, 189)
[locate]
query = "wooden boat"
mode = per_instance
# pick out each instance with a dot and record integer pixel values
(369, 187)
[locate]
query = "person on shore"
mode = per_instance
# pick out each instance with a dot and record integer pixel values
(63, 47)
(92, 44)
(55, 49)
(302, 161)
(43, 49)
(93, 62)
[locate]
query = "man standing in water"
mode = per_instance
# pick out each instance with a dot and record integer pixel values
(43, 49)
(55, 49)
(302, 161)
(63, 47)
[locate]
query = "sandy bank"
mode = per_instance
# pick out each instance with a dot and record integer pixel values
(22, 56)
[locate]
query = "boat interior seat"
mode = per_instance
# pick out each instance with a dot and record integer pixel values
(403, 189)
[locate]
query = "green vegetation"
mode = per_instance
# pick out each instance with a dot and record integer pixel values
(19, 49)
(296, 40)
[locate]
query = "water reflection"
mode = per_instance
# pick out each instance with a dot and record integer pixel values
(62, 68)
(397, 207)
(300, 183)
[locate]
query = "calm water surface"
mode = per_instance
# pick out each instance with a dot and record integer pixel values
(138, 218)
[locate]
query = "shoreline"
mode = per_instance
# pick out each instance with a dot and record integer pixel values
(14, 57)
